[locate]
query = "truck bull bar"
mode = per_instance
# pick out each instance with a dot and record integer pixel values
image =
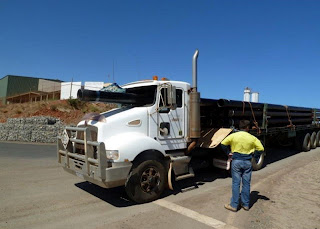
(91, 164)
(87, 159)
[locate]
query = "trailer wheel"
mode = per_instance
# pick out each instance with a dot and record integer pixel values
(257, 165)
(318, 139)
(146, 181)
(306, 145)
(313, 143)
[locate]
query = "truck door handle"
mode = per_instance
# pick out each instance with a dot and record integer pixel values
(164, 129)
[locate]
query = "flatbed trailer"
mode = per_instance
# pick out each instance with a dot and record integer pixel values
(271, 123)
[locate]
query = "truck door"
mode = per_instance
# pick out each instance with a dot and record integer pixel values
(171, 127)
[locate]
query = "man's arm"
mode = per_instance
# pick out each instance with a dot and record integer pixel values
(225, 144)
(258, 145)
(226, 149)
(259, 149)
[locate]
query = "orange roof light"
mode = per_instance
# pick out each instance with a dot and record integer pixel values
(155, 77)
(164, 79)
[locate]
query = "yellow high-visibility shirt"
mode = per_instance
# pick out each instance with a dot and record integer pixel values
(243, 142)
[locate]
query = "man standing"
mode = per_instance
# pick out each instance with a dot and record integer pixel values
(243, 145)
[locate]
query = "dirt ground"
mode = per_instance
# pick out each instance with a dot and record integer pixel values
(68, 111)
(36, 193)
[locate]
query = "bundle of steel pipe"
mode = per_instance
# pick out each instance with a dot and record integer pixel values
(230, 112)
(276, 122)
(240, 104)
(109, 97)
(237, 113)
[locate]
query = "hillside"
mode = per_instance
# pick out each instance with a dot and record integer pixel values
(68, 111)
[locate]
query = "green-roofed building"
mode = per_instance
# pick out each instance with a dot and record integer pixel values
(23, 88)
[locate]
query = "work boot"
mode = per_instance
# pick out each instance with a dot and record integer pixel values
(229, 207)
(245, 208)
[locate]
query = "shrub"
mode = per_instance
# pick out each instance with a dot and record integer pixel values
(76, 103)
(94, 109)
(18, 111)
(53, 107)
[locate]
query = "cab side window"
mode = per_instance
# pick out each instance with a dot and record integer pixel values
(163, 98)
(179, 97)
(163, 104)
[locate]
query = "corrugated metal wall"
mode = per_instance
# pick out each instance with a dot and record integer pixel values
(19, 85)
(3, 89)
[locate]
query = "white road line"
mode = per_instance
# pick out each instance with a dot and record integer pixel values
(193, 215)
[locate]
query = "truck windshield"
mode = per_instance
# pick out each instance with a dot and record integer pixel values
(133, 97)
(146, 95)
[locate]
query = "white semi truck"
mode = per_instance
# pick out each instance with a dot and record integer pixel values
(156, 133)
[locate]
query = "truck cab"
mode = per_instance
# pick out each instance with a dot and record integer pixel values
(112, 148)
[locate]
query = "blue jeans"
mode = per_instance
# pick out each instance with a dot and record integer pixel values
(241, 170)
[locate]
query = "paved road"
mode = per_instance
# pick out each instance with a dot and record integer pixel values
(36, 193)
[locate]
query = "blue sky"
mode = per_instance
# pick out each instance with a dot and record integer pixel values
(270, 46)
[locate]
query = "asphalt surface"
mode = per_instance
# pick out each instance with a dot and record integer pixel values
(35, 192)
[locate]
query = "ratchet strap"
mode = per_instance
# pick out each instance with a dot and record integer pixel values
(289, 118)
(255, 121)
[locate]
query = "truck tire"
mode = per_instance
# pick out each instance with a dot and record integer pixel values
(313, 143)
(257, 165)
(146, 181)
(306, 144)
(318, 139)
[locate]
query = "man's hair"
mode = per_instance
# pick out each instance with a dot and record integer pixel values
(244, 124)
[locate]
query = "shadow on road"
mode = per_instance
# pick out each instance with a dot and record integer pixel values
(276, 154)
(114, 196)
(202, 176)
(118, 197)
(254, 197)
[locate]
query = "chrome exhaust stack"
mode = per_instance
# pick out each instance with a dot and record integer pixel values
(195, 70)
(194, 122)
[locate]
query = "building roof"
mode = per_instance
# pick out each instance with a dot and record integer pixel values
(56, 80)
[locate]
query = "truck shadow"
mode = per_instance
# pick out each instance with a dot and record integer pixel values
(274, 154)
(202, 176)
(114, 196)
(118, 197)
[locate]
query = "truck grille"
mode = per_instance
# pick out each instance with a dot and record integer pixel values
(79, 148)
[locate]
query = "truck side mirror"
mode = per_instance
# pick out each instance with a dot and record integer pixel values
(172, 97)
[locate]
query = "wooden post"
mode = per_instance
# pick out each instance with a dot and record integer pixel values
(71, 87)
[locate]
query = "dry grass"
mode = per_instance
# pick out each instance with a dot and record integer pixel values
(68, 112)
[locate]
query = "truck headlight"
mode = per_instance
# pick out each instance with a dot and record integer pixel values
(112, 154)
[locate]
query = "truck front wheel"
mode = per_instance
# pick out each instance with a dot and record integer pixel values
(146, 181)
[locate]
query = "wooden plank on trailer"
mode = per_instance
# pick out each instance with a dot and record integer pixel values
(221, 134)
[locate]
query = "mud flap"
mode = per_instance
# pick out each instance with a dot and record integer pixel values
(169, 177)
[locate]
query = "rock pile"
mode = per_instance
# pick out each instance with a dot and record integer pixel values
(33, 129)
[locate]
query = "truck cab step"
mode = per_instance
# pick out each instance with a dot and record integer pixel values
(185, 176)
(181, 168)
